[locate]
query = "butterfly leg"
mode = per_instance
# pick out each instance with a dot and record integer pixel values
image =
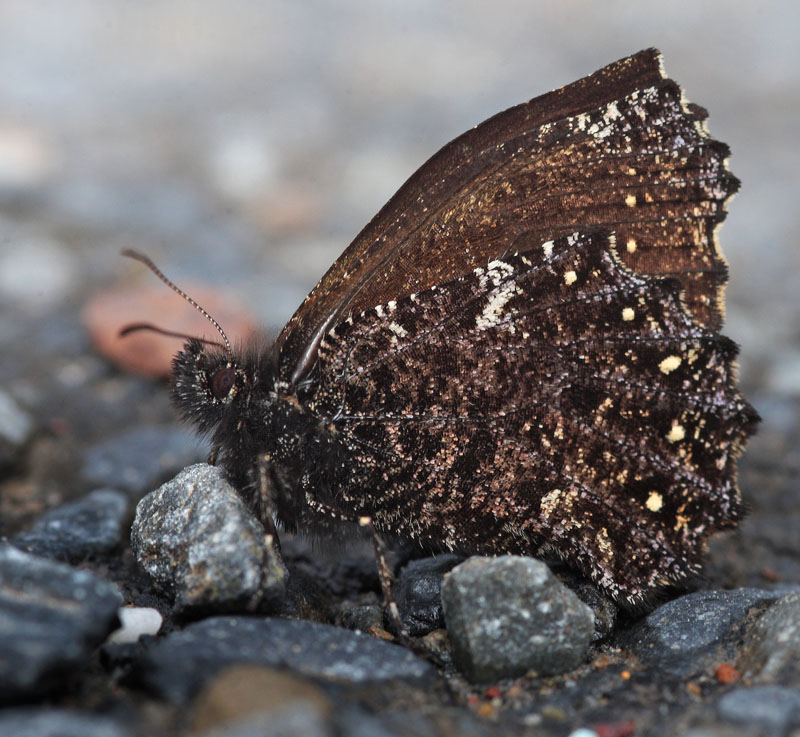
(271, 559)
(384, 574)
(266, 504)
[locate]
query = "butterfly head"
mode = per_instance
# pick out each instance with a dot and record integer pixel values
(206, 382)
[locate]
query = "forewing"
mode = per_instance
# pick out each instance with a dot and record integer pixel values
(620, 149)
(551, 400)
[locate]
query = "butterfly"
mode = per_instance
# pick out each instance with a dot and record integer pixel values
(519, 354)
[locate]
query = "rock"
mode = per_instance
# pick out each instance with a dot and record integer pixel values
(772, 643)
(138, 460)
(249, 694)
(362, 617)
(37, 722)
(92, 526)
(418, 593)
(175, 667)
(135, 622)
(16, 427)
(199, 543)
(52, 616)
(774, 708)
(690, 634)
(293, 720)
(508, 615)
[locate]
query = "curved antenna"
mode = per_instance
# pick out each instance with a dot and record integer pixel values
(130, 253)
(138, 326)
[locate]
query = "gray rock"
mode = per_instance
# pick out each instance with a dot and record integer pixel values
(293, 721)
(774, 708)
(32, 722)
(140, 459)
(508, 615)
(52, 616)
(691, 633)
(362, 617)
(16, 427)
(201, 546)
(175, 667)
(772, 643)
(418, 593)
(79, 530)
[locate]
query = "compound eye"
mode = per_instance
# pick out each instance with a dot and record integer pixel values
(222, 381)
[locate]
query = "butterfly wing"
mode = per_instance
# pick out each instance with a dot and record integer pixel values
(620, 149)
(551, 400)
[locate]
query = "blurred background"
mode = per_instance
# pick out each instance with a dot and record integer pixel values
(245, 143)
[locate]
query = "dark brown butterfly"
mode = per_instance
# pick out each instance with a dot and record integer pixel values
(519, 354)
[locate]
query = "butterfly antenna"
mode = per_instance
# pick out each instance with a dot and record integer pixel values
(130, 253)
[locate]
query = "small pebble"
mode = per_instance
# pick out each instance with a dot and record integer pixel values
(692, 633)
(509, 615)
(52, 617)
(773, 642)
(242, 691)
(418, 593)
(48, 722)
(176, 666)
(200, 544)
(92, 526)
(775, 708)
(135, 621)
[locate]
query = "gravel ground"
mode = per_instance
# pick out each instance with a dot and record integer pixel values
(243, 145)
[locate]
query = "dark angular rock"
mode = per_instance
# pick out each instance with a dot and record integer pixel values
(52, 616)
(772, 643)
(138, 460)
(362, 617)
(508, 615)
(16, 426)
(689, 634)
(773, 708)
(418, 593)
(175, 667)
(89, 527)
(201, 545)
(32, 722)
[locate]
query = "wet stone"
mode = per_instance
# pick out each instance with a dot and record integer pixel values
(772, 644)
(52, 616)
(418, 593)
(509, 615)
(140, 459)
(16, 426)
(202, 547)
(773, 708)
(92, 526)
(175, 667)
(690, 634)
(32, 722)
